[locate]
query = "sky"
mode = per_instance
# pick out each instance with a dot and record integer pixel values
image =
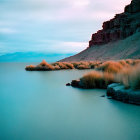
(52, 26)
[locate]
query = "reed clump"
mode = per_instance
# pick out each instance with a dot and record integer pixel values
(30, 67)
(61, 65)
(110, 67)
(96, 79)
(69, 65)
(82, 67)
(130, 77)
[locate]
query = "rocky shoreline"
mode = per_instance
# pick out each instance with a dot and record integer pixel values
(120, 93)
(115, 91)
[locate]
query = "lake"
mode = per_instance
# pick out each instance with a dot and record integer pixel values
(38, 106)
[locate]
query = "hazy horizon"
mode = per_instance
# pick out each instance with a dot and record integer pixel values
(52, 26)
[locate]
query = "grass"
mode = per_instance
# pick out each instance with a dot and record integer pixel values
(68, 65)
(30, 67)
(110, 67)
(43, 66)
(130, 77)
(96, 79)
(61, 65)
(82, 66)
(126, 72)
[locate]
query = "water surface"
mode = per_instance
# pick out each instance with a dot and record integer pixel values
(38, 106)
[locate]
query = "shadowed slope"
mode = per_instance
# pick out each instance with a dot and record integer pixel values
(121, 49)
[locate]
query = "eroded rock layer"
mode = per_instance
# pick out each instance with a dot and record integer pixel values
(120, 27)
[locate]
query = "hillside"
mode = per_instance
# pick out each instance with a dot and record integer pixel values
(122, 49)
(118, 39)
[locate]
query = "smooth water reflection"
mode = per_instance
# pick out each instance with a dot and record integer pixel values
(38, 106)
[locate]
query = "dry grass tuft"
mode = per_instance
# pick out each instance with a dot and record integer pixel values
(82, 66)
(135, 78)
(30, 67)
(130, 77)
(92, 80)
(124, 63)
(76, 64)
(69, 65)
(109, 78)
(110, 67)
(136, 62)
(56, 67)
(96, 79)
(44, 66)
(94, 64)
(61, 65)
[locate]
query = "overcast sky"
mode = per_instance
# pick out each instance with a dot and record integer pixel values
(52, 26)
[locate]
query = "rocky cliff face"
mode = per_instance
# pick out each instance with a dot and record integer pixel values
(120, 27)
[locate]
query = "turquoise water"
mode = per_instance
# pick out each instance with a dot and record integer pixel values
(38, 106)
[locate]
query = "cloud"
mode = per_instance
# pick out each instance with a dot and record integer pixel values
(7, 31)
(62, 46)
(46, 10)
(64, 25)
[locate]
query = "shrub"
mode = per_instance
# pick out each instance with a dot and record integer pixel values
(81, 66)
(69, 65)
(129, 61)
(84, 63)
(30, 67)
(130, 77)
(61, 65)
(94, 64)
(56, 67)
(92, 80)
(44, 66)
(135, 78)
(96, 79)
(76, 64)
(110, 67)
(109, 78)
(136, 62)
(124, 63)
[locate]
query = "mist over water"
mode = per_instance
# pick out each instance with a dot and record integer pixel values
(38, 106)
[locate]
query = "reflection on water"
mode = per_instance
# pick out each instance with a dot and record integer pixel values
(38, 106)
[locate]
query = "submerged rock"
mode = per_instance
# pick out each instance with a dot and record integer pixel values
(102, 96)
(119, 92)
(68, 84)
(75, 83)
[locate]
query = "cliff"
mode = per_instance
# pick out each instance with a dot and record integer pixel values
(119, 38)
(120, 27)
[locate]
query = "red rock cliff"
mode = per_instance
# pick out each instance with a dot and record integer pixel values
(120, 27)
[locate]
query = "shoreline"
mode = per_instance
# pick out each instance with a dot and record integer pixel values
(102, 74)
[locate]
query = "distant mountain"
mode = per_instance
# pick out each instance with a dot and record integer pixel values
(119, 38)
(32, 57)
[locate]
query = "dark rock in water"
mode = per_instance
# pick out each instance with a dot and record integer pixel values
(68, 84)
(75, 83)
(118, 92)
(103, 96)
